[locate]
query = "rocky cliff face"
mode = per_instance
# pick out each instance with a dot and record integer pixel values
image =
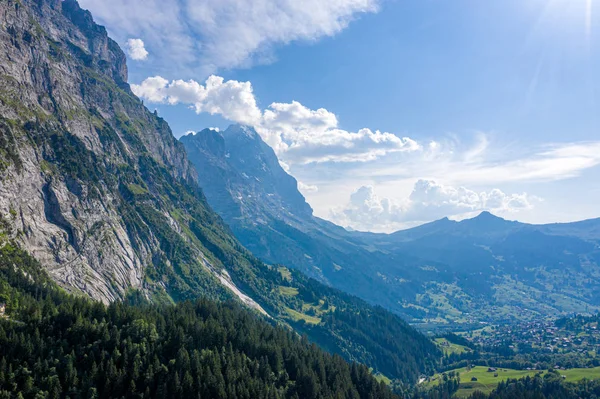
(242, 177)
(76, 147)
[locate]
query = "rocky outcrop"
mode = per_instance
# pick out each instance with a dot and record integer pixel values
(242, 177)
(73, 141)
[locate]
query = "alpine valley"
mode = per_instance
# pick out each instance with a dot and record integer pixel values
(136, 265)
(444, 274)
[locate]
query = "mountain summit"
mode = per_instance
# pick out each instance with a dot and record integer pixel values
(242, 176)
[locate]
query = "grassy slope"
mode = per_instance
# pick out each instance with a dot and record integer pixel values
(449, 347)
(486, 382)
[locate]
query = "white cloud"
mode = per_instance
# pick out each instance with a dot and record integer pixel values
(236, 30)
(307, 188)
(213, 34)
(555, 162)
(153, 89)
(293, 117)
(451, 162)
(430, 197)
(136, 49)
(303, 135)
(336, 145)
(232, 99)
(297, 133)
(428, 201)
(284, 166)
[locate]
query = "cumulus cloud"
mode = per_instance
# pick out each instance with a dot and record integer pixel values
(428, 201)
(284, 166)
(232, 100)
(214, 34)
(136, 49)
(306, 136)
(431, 198)
(297, 133)
(293, 117)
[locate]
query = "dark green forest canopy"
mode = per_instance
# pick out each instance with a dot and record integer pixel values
(56, 345)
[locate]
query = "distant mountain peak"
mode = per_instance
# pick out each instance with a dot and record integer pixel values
(208, 130)
(486, 222)
(487, 215)
(208, 138)
(439, 222)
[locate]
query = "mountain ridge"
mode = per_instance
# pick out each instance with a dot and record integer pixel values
(273, 231)
(444, 271)
(487, 215)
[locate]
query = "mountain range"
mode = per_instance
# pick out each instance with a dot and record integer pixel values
(442, 274)
(96, 189)
(133, 264)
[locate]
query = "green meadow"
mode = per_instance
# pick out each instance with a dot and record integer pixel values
(486, 381)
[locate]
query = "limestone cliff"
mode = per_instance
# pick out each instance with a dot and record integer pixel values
(79, 153)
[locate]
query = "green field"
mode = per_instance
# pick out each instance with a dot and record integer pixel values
(486, 382)
(288, 291)
(301, 316)
(449, 347)
(380, 377)
(285, 273)
(574, 375)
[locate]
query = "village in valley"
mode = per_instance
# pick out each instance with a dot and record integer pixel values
(480, 359)
(543, 336)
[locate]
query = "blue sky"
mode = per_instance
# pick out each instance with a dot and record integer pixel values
(479, 104)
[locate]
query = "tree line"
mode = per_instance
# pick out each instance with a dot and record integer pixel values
(56, 345)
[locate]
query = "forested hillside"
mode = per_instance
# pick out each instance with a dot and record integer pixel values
(55, 345)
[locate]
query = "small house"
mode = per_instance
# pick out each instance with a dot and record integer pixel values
(2, 308)
(492, 370)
